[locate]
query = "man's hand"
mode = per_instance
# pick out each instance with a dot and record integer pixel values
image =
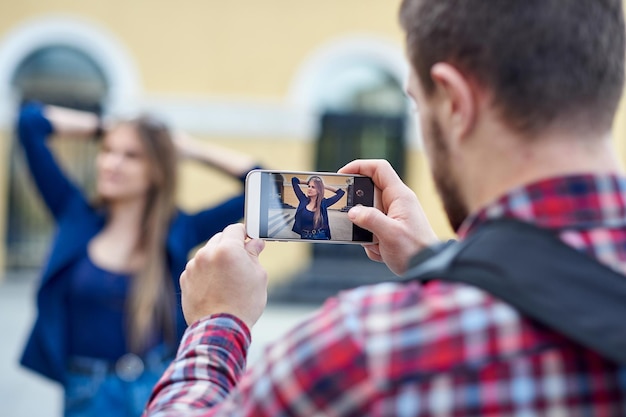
(401, 229)
(225, 276)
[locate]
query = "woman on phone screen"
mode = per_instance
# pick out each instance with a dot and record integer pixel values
(109, 317)
(311, 219)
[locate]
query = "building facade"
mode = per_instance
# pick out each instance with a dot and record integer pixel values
(300, 85)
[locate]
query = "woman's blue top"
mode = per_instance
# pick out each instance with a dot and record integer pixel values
(77, 222)
(307, 219)
(96, 303)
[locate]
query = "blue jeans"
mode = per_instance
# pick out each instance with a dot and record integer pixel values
(104, 393)
(315, 234)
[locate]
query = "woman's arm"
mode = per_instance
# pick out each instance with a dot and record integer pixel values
(295, 183)
(229, 161)
(338, 194)
(72, 123)
(35, 124)
(204, 224)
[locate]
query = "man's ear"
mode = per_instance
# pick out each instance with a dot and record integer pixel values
(457, 99)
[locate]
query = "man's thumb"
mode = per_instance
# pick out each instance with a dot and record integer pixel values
(368, 218)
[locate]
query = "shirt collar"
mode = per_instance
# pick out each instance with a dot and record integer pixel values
(574, 201)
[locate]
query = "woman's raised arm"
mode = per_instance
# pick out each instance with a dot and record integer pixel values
(229, 161)
(72, 123)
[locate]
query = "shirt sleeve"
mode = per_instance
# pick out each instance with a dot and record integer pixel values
(208, 365)
(332, 200)
(295, 182)
(54, 186)
(318, 368)
(206, 223)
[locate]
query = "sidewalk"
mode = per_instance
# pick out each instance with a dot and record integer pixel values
(24, 394)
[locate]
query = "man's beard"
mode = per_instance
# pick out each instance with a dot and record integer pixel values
(446, 184)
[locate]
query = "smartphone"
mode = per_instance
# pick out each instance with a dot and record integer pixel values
(306, 206)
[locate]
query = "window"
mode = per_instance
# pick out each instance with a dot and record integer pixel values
(363, 116)
(63, 76)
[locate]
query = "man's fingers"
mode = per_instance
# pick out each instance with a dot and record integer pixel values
(373, 253)
(235, 231)
(373, 248)
(213, 242)
(379, 170)
(255, 246)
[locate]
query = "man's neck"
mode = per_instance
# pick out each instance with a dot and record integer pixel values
(511, 162)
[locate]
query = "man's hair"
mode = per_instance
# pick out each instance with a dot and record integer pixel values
(546, 62)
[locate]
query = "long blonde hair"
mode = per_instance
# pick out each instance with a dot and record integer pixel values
(151, 300)
(317, 203)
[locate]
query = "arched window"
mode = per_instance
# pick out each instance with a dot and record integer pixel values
(363, 111)
(354, 86)
(60, 75)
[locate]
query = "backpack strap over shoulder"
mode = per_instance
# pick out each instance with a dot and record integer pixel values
(534, 271)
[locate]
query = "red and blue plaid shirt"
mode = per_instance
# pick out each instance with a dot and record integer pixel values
(412, 350)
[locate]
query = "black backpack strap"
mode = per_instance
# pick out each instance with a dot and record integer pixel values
(533, 270)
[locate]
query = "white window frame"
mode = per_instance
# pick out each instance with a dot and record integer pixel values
(117, 65)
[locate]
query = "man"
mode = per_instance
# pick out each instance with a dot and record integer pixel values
(516, 100)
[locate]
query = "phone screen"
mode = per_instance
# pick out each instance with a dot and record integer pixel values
(308, 206)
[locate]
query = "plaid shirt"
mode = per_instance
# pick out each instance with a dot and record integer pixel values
(407, 349)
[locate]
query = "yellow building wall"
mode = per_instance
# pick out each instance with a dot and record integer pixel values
(233, 48)
(5, 141)
(243, 49)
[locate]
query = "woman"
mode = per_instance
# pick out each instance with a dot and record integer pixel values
(109, 316)
(311, 219)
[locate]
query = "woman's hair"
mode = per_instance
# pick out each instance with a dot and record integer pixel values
(151, 301)
(319, 187)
